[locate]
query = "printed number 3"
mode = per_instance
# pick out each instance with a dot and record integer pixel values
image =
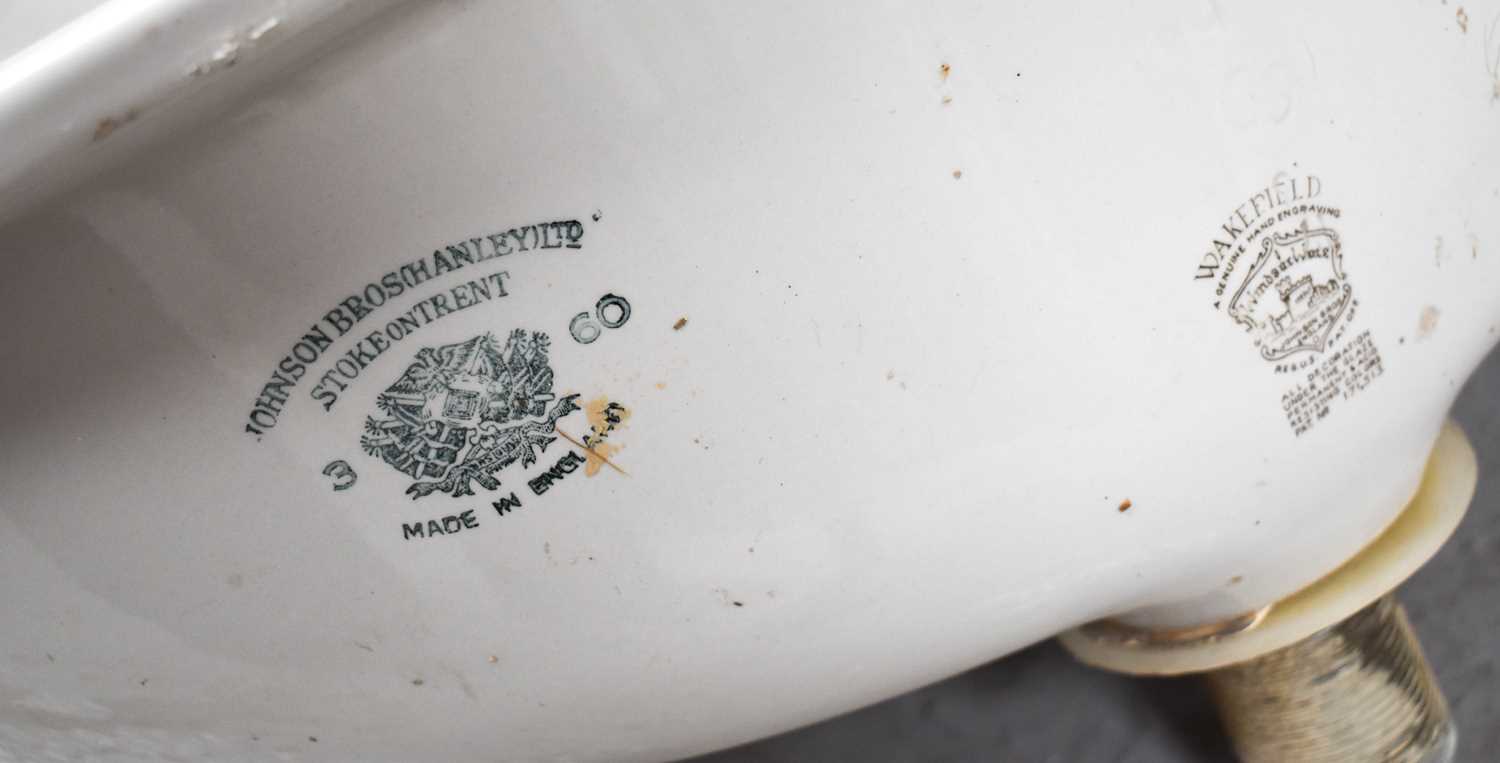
(611, 312)
(342, 473)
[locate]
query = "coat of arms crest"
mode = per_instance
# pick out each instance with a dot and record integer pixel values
(1294, 294)
(461, 413)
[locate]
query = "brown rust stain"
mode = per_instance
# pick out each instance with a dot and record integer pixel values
(605, 417)
(598, 456)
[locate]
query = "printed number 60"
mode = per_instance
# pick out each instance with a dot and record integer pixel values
(611, 311)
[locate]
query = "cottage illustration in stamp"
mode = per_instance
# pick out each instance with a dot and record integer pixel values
(1294, 293)
(1276, 265)
(461, 413)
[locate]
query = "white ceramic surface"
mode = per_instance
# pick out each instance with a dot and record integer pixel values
(1408, 543)
(913, 314)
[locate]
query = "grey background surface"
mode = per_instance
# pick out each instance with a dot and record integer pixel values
(1040, 705)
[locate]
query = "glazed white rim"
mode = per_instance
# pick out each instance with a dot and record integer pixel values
(125, 65)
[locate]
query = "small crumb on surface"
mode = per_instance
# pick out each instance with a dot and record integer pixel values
(958, 174)
(1125, 505)
(1463, 20)
(493, 659)
(1236, 580)
(108, 125)
(943, 71)
(679, 324)
(417, 682)
(1428, 322)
